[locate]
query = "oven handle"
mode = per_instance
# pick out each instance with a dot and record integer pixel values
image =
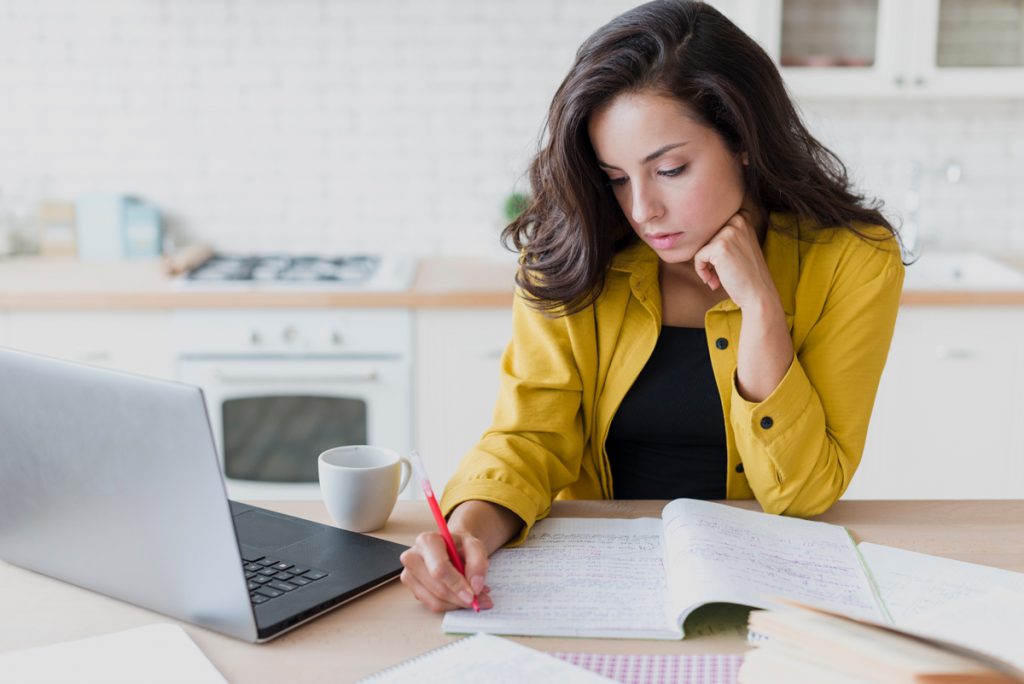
(370, 376)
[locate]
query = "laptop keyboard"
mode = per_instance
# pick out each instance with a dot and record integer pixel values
(268, 578)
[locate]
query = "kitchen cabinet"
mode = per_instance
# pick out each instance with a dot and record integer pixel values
(949, 418)
(3, 328)
(458, 352)
(967, 48)
(890, 48)
(133, 341)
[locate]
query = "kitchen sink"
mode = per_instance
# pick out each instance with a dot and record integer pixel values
(961, 271)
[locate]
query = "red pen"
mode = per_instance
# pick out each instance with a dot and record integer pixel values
(442, 526)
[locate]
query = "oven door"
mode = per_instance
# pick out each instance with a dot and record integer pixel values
(272, 417)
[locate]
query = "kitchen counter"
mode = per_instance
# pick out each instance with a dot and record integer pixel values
(29, 282)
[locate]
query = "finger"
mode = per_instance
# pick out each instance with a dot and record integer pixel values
(742, 218)
(441, 577)
(710, 278)
(436, 604)
(417, 566)
(475, 555)
(435, 595)
(424, 596)
(704, 267)
(484, 599)
(708, 275)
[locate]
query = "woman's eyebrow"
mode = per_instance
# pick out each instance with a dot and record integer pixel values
(649, 158)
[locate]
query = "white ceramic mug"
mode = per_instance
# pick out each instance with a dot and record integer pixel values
(360, 484)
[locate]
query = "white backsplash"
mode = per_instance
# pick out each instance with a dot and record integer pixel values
(388, 125)
(967, 158)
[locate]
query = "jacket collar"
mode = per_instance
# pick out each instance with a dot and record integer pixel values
(781, 253)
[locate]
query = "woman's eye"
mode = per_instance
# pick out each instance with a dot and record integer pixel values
(617, 181)
(672, 172)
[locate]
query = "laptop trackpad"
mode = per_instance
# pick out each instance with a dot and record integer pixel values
(265, 531)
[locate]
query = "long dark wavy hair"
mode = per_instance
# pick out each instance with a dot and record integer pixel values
(573, 227)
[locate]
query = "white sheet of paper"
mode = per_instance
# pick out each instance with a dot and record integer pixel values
(991, 622)
(485, 659)
(577, 577)
(912, 584)
(161, 653)
(738, 556)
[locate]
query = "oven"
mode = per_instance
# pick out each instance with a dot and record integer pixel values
(281, 386)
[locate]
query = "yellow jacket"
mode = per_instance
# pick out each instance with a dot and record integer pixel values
(562, 380)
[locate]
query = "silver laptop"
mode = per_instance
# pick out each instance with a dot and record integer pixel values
(111, 482)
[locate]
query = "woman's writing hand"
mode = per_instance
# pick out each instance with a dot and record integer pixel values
(433, 579)
(732, 259)
(479, 528)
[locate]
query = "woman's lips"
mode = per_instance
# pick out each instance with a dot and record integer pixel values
(663, 240)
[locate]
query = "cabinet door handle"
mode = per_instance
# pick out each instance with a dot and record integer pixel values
(94, 356)
(955, 353)
(371, 376)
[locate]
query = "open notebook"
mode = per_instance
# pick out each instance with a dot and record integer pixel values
(641, 578)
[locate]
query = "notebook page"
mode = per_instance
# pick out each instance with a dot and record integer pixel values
(912, 583)
(593, 577)
(485, 659)
(717, 553)
(990, 622)
(157, 653)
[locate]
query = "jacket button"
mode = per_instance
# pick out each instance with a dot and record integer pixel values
(739, 467)
(722, 343)
(767, 422)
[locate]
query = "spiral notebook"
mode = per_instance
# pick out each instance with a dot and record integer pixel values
(485, 659)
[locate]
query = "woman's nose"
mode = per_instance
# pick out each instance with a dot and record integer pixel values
(646, 206)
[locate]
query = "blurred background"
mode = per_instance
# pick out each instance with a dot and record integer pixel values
(395, 124)
(132, 130)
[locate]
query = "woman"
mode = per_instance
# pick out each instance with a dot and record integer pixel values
(704, 305)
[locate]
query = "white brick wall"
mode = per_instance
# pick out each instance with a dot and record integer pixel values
(394, 125)
(880, 143)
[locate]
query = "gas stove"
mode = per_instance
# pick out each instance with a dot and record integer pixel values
(356, 272)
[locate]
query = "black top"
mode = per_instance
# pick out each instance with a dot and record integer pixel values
(667, 440)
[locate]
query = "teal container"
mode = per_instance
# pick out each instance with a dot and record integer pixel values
(115, 227)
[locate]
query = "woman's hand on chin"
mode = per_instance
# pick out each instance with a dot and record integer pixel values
(732, 259)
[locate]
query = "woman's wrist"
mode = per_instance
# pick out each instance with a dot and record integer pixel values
(491, 523)
(765, 349)
(764, 310)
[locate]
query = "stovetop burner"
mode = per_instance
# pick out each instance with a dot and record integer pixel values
(347, 269)
(356, 271)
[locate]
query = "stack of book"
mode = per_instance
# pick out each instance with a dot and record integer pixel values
(804, 644)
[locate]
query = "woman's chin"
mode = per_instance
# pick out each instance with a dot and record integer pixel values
(678, 255)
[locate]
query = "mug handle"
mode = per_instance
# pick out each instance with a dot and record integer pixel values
(406, 473)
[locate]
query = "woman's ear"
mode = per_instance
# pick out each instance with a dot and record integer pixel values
(745, 158)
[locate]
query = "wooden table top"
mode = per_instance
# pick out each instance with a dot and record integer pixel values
(388, 626)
